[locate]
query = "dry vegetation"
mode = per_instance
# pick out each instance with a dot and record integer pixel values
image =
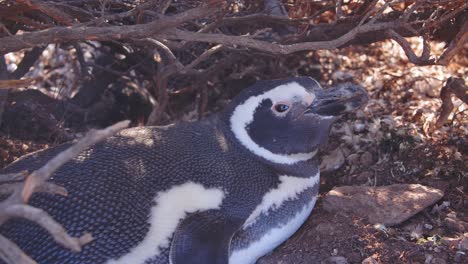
(68, 66)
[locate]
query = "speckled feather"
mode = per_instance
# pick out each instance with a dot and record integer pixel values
(112, 186)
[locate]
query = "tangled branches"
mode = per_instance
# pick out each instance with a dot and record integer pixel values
(161, 39)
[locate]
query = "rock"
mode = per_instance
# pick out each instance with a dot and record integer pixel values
(456, 224)
(359, 127)
(438, 261)
(450, 241)
(463, 245)
(325, 228)
(365, 176)
(370, 260)
(333, 161)
(388, 205)
(367, 159)
(353, 159)
(334, 260)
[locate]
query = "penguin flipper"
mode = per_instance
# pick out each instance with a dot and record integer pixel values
(203, 238)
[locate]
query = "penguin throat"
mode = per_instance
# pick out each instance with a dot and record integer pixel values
(243, 115)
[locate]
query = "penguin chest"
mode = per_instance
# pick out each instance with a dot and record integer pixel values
(280, 214)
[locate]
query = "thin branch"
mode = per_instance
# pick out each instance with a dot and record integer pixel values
(453, 86)
(47, 187)
(412, 57)
(11, 253)
(274, 48)
(81, 33)
(8, 84)
(338, 10)
(204, 56)
(457, 44)
(19, 176)
(42, 218)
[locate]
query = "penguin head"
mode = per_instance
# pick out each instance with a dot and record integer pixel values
(286, 121)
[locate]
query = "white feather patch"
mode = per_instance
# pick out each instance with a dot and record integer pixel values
(171, 207)
(243, 115)
(288, 189)
(272, 239)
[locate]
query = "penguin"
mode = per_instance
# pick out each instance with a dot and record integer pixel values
(228, 189)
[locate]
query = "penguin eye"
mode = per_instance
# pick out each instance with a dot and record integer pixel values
(281, 108)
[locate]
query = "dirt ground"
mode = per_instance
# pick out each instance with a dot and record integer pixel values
(391, 141)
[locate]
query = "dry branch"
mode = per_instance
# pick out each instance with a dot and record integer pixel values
(412, 57)
(81, 33)
(8, 84)
(274, 48)
(15, 205)
(454, 86)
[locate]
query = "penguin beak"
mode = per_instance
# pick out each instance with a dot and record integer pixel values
(338, 100)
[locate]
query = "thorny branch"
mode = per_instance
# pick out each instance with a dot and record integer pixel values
(15, 205)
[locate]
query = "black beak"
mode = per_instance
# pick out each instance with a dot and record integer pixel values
(338, 100)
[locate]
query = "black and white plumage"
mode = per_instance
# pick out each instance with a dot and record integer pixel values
(225, 190)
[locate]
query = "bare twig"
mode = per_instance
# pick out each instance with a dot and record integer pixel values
(47, 187)
(48, 223)
(11, 253)
(460, 42)
(412, 57)
(80, 33)
(204, 56)
(8, 84)
(338, 9)
(454, 86)
(274, 48)
(13, 176)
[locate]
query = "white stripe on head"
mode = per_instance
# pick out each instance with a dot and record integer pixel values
(171, 207)
(243, 115)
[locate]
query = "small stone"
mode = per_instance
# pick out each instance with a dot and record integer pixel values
(333, 161)
(450, 241)
(369, 260)
(463, 245)
(359, 127)
(335, 260)
(365, 176)
(325, 228)
(458, 256)
(456, 224)
(438, 261)
(428, 226)
(387, 205)
(367, 159)
(353, 159)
